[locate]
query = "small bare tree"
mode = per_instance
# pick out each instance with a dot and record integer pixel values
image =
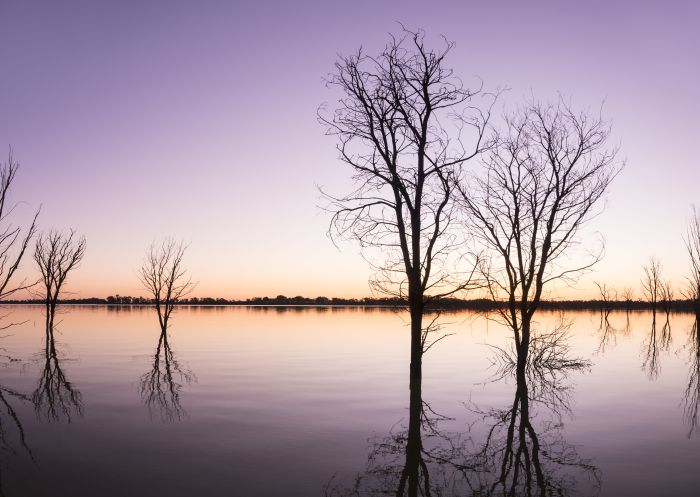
(666, 294)
(164, 276)
(56, 255)
(541, 183)
(651, 281)
(628, 297)
(692, 244)
(402, 125)
(13, 240)
(608, 296)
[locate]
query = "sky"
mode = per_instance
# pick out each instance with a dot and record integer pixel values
(133, 121)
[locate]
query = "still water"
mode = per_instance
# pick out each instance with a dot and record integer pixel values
(313, 402)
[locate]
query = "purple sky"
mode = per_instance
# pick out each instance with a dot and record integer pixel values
(138, 120)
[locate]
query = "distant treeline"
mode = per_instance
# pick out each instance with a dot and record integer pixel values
(440, 304)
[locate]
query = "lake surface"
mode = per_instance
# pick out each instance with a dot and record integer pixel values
(304, 402)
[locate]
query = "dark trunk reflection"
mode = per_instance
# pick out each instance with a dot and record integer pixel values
(691, 396)
(515, 451)
(13, 439)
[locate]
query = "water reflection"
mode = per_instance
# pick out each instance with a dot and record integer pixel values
(160, 387)
(654, 344)
(55, 397)
(691, 396)
(513, 451)
(524, 452)
(609, 333)
(13, 438)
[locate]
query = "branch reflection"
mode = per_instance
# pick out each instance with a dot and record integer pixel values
(691, 396)
(55, 397)
(160, 387)
(655, 343)
(514, 451)
(13, 438)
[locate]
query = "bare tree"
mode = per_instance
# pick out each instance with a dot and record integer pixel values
(56, 255)
(666, 293)
(628, 297)
(403, 124)
(13, 240)
(651, 281)
(692, 244)
(165, 277)
(691, 396)
(541, 183)
(608, 295)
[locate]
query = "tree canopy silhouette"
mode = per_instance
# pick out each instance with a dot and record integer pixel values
(405, 125)
(164, 276)
(541, 182)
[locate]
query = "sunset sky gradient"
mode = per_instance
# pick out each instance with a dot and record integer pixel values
(138, 120)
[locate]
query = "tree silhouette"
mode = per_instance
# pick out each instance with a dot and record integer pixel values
(651, 281)
(541, 183)
(165, 277)
(13, 240)
(402, 125)
(56, 255)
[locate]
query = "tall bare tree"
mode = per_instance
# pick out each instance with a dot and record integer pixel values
(56, 255)
(541, 183)
(165, 277)
(651, 281)
(405, 125)
(13, 239)
(692, 244)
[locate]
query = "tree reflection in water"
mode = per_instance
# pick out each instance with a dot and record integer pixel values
(160, 387)
(13, 438)
(654, 344)
(518, 450)
(691, 396)
(55, 397)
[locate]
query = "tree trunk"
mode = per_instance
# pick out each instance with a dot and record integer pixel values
(416, 368)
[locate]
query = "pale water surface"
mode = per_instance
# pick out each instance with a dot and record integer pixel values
(307, 402)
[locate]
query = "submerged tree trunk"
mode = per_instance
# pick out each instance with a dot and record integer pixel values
(416, 366)
(410, 481)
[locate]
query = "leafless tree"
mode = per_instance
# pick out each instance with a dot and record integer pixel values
(608, 296)
(692, 244)
(164, 276)
(13, 239)
(651, 281)
(666, 294)
(628, 297)
(56, 255)
(541, 183)
(405, 125)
